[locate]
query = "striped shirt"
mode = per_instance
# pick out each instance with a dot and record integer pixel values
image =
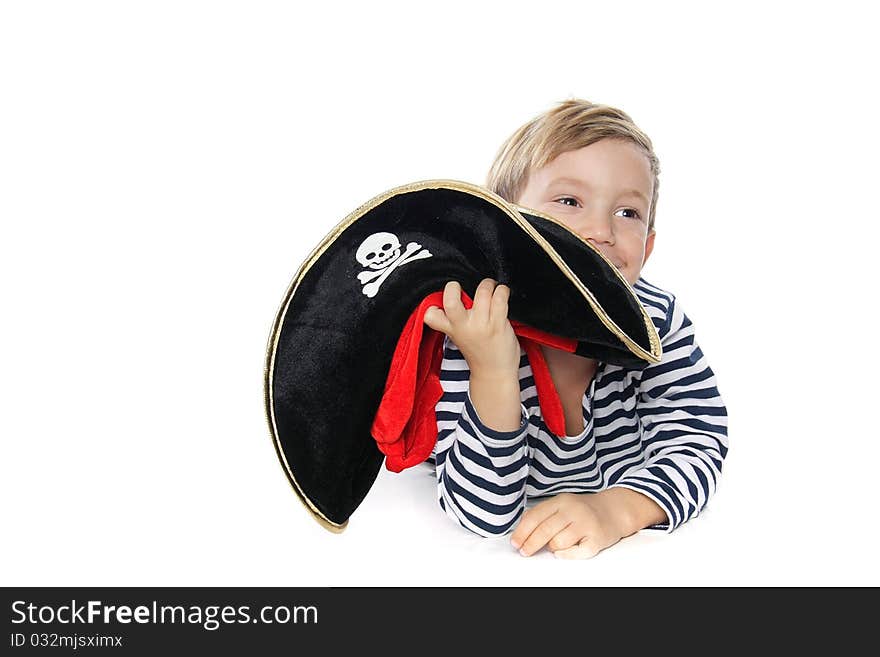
(660, 430)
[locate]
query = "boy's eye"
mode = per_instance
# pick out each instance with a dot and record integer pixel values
(568, 198)
(634, 214)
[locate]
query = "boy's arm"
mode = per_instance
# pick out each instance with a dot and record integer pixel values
(481, 455)
(684, 429)
(496, 400)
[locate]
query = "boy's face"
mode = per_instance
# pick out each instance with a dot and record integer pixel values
(602, 192)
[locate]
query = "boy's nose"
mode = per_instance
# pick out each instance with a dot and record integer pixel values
(598, 229)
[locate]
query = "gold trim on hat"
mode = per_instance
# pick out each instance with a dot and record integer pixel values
(511, 209)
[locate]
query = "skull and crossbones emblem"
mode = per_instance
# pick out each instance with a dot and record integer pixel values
(380, 253)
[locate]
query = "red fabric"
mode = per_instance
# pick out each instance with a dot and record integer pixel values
(405, 426)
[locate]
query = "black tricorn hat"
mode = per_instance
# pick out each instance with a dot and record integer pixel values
(334, 336)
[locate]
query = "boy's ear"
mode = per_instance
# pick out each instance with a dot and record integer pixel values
(649, 245)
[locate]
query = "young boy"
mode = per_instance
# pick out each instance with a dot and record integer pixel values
(644, 446)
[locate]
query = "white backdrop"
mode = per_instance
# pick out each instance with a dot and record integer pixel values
(165, 167)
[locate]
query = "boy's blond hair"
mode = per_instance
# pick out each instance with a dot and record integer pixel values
(572, 124)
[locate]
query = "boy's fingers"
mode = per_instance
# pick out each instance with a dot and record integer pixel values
(483, 300)
(586, 549)
(566, 538)
(544, 533)
(452, 305)
(498, 312)
(435, 318)
(531, 519)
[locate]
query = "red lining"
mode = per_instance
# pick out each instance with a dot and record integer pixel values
(405, 426)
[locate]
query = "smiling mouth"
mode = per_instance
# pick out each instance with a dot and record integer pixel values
(617, 264)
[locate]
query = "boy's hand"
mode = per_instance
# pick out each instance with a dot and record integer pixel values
(483, 334)
(572, 526)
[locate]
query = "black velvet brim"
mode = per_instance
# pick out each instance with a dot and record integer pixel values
(332, 345)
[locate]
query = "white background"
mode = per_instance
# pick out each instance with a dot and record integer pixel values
(165, 167)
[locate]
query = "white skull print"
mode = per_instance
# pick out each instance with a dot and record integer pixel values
(380, 252)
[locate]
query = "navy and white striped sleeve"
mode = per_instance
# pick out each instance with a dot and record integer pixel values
(684, 426)
(481, 472)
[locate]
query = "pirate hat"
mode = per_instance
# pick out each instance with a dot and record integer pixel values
(349, 362)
